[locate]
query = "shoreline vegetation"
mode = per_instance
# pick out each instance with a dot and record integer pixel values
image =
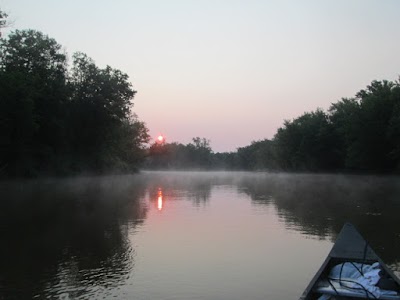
(60, 119)
(57, 119)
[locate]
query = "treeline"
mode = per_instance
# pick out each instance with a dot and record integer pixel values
(195, 155)
(61, 119)
(360, 134)
(198, 155)
(57, 118)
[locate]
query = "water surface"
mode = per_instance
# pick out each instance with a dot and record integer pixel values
(181, 235)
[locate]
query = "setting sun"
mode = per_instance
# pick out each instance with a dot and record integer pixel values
(160, 139)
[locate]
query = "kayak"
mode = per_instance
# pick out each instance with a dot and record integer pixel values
(352, 270)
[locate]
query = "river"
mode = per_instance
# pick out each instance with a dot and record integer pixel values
(185, 235)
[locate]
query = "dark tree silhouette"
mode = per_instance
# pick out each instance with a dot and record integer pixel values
(56, 121)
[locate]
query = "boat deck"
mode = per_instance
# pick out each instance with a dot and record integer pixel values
(350, 246)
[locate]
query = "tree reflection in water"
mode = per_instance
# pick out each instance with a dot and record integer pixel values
(318, 205)
(70, 238)
(67, 237)
(194, 186)
(315, 204)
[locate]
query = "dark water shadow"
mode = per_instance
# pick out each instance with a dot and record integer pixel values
(71, 237)
(319, 205)
(58, 234)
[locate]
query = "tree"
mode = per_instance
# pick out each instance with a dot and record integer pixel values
(376, 110)
(101, 115)
(53, 120)
(307, 143)
(33, 88)
(127, 151)
(393, 131)
(108, 88)
(260, 155)
(3, 20)
(366, 126)
(345, 118)
(200, 152)
(196, 155)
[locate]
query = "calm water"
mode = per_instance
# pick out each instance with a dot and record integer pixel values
(178, 235)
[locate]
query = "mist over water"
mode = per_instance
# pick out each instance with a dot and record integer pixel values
(185, 235)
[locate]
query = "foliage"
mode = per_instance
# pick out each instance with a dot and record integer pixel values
(54, 120)
(57, 119)
(260, 155)
(306, 143)
(196, 155)
(3, 20)
(360, 134)
(366, 127)
(357, 134)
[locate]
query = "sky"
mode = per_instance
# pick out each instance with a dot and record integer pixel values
(226, 70)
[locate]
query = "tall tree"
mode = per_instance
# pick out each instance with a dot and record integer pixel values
(53, 120)
(200, 152)
(393, 132)
(101, 113)
(345, 118)
(373, 144)
(33, 86)
(307, 143)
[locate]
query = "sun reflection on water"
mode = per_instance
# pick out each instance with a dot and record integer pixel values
(159, 200)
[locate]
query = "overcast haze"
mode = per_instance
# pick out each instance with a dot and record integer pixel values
(229, 71)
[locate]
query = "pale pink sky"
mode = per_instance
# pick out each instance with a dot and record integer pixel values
(230, 71)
